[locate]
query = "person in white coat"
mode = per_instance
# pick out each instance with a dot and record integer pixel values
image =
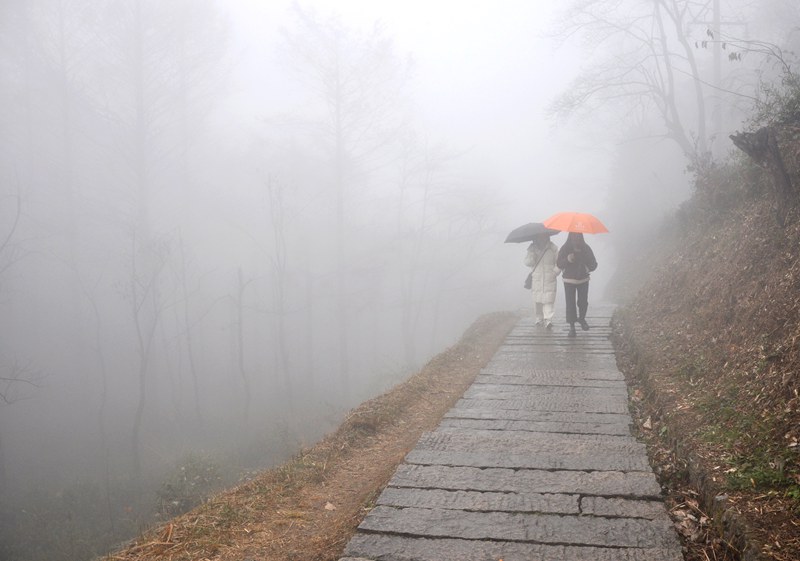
(541, 258)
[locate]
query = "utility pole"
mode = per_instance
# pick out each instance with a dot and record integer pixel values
(716, 113)
(714, 28)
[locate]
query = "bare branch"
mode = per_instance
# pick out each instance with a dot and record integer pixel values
(14, 374)
(14, 224)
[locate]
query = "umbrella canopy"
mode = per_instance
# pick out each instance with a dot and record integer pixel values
(580, 222)
(527, 232)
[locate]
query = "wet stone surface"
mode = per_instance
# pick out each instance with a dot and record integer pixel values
(541, 416)
(569, 403)
(543, 380)
(535, 462)
(521, 527)
(385, 547)
(537, 426)
(508, 391)
(637, 484)
(485, 501)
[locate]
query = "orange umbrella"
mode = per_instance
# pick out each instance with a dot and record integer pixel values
(575, 222)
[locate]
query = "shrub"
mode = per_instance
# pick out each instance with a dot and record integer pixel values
(195, 477)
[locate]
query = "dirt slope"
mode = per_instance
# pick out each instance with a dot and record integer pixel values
(711, 344)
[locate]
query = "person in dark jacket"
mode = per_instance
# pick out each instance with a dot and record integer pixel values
(576, 260)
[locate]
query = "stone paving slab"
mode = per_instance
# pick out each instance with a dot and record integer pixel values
(577, 403)
(556, 361)
(637, 484)
(604, 506)
(537, 426)
(556, 381)
(476, 501)
(522, 527)
(454, 440)
(369, 547)
(588, 458)
(528, 371)
(541, 416)
(550, 503)
(529, 342)
(592, 345)
(535, 462)
(520, 449)
(506, 391)
(526, 342)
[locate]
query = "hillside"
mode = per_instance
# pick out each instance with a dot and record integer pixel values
(710, 344)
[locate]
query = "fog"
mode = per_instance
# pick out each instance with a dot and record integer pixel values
(224, 224)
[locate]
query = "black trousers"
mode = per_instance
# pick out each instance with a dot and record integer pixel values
(581, 291)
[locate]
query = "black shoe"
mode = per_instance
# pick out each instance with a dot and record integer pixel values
(584, 325)
(572, 332)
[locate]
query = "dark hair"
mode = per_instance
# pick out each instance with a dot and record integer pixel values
(576, 238)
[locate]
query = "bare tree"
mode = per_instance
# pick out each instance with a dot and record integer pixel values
(160, 64)
(15, 376)
(163, 61)
(10, 249)
(464, 222)
(146, 306)
(278, 261)
(188, 325)
(357, 79)
(420, 178)
(648, 57)
(647, 60)
(63, 33)
(17, 379)
(102, 369)
(272, 246)
(241, 286)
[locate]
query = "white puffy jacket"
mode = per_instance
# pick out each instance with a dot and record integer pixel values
(545, 271)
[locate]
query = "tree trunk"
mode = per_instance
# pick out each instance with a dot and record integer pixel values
(189, 339)
(2, 467)
(278, 222)
(309, 350)
(240, 344)
(341, 303)
(762, 146)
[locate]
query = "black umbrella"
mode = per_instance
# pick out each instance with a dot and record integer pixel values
(527, 232)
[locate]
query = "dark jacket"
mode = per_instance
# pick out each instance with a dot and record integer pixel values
(583, 263)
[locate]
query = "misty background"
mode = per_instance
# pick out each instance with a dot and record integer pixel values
(223, 224)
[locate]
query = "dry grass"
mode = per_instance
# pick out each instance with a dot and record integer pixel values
(307, 508)
(716, 354)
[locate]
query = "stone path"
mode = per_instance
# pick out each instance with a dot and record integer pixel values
(534, 463)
